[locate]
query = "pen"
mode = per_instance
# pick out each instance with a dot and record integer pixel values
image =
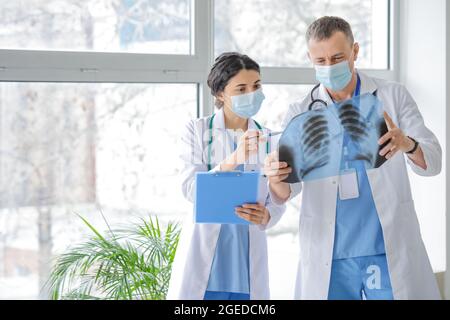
(272, 134)
(275, 133)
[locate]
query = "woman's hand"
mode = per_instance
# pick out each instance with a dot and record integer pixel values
(254, 213)
(248, 145)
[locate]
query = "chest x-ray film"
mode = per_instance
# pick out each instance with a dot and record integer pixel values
(313, 142)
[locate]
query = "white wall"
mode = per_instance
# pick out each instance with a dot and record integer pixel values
(422, 65)
(447, 68)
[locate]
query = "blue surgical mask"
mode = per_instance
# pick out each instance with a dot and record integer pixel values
(335, 77)
(247, 105)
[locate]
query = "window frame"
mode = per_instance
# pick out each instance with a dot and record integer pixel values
(69, 66)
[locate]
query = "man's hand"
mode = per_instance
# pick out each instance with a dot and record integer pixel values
(277, 172)
(399, 141)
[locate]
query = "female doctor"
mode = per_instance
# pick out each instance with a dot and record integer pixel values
(226, 262)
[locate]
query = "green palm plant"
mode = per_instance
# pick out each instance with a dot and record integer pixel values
(133, 262)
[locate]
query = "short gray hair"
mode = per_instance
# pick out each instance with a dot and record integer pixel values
(325, 27)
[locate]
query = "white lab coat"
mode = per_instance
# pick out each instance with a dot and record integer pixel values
(409, 267)
(192, 265)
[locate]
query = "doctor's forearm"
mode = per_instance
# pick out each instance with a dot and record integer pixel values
(418, 158)
(280, 190)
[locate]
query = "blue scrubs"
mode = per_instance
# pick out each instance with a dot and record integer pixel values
(358, 228)
(229, 278)
(358, 241)
(360, 278)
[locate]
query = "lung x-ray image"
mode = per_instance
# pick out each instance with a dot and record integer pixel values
(313, 142)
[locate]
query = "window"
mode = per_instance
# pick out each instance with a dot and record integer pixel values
(273, 32)
(276, 104)
(78, 148)
(149, 26)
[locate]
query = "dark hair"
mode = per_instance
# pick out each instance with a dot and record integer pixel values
(325, 27)
(226, 66)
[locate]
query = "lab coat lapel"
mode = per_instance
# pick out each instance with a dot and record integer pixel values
(221, 147)
(368, 85)
(252, 163)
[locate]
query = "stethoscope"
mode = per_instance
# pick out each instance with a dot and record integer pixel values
(211, 138)
(323, 103)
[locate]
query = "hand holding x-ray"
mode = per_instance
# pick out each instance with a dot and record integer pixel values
(275, 170)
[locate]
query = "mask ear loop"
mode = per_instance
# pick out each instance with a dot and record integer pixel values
(230, 105)
(224, 98)
(354, 56)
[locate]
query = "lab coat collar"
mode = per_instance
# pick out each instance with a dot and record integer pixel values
(219, 120)
(368, 85)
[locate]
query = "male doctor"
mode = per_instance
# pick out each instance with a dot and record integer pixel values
(368, 245)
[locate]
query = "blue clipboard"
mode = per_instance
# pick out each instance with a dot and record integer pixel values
(218, 194)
